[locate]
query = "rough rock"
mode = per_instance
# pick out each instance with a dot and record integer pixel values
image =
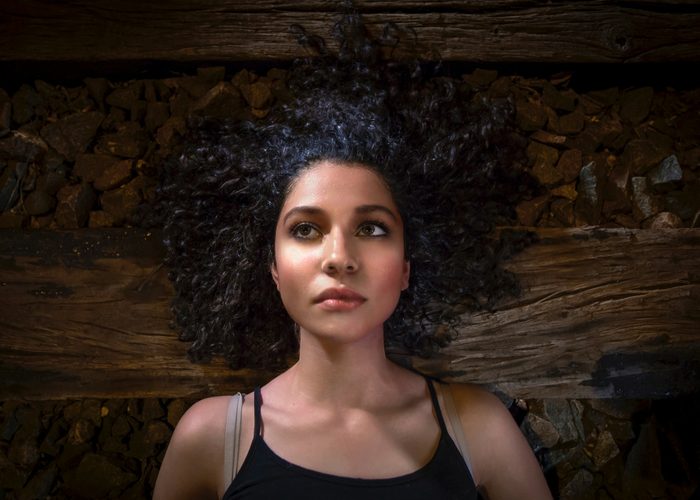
(52, 181)
(23, 451)
(605, 449)
(72, 135)
(529, 211)
(100, 218)
(579, 487)
(5, 118)
(642, 475)
(11, 476)
(619, 408)
(547, 137)
(544, 430)
(571, 124)
(51, 444)
(530, 116)
(666, 220)
(152, 410)
(607, 131)
(211, 74)
(645, 204)
(174, 128)
(541, 153)
(40, 485)
(9, 220)
(194, 86)
(257, 94)
(180, 104)
(570, 163)
(39, 202)
(589, 202)
(480, 77)
(563, 211)
(11, 181)
(176, 408)
(121, 427)
(666, 176)
(642, 155)
(121, 202)
(157, 113)
(617, 186)
(91, 409)
(90, 167)
(97, 88)
(222, 101)
(24, 102)
(690, 158)
(74, 205)
(113, 120)
(125, 97)
(567, 191)
(546, 174)
(635, 104)
(157, 432)
(688, 124)
(562, 101)
(97, 477)
(243, 77)
(115, 175)
(684, 203)
(129, 142)
(137, 112)
(559, 413)
(81, 431)
(587, 141)
(22, 146)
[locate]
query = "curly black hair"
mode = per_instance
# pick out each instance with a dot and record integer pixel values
(451, 163)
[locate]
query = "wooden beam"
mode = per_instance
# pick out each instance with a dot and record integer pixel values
(604, 313)
(501, 31)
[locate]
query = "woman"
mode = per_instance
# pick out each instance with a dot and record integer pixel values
(370, 196)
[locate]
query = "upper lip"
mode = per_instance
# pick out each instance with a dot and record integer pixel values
(338, 294)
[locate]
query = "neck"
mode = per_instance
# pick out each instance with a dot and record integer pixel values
(341, 374)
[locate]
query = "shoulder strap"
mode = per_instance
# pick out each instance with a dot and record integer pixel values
(232, 437)
(456, 424)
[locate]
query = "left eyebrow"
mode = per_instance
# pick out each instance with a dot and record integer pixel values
(366, 209)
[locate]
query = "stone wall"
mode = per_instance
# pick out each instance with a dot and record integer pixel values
(88, 155)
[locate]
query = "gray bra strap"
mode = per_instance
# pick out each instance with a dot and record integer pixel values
(456, 425)
(232, 438)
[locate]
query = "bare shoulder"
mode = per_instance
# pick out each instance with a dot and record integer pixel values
(503, 462)
(193, 461)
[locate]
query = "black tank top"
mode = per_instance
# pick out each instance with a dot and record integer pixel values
(264, 475)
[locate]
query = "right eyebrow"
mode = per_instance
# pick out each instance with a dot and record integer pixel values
(303, 209)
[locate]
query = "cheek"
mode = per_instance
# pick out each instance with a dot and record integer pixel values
(293, 265)
(391, 267)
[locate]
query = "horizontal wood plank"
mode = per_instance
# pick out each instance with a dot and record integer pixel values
(604, 313)
(503, 31)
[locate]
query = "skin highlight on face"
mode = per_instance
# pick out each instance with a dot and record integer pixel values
(339, 252)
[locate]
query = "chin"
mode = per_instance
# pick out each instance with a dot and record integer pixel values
(342, 333)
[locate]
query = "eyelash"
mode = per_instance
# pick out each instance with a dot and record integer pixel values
(294, 231)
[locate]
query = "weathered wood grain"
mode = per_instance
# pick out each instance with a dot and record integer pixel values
(503, 31)
(604, 313)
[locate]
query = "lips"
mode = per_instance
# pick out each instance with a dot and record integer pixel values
(339, 299)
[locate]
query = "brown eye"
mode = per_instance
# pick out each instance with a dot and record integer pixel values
(305, 231)
(371, 229)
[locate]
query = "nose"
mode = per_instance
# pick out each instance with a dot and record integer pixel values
(339, 255)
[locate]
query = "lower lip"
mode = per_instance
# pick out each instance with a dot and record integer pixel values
(340, 305)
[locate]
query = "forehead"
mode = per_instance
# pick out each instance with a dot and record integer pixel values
(338, 184)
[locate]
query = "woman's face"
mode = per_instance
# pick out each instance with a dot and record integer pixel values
(339, 252)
